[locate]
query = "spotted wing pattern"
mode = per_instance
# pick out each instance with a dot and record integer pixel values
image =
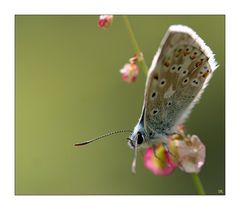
(177, 77)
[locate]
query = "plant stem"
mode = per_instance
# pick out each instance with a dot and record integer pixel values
(135, 44)
(198, 184)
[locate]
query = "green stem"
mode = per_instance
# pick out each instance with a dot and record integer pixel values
(198, 184)
(135, 44)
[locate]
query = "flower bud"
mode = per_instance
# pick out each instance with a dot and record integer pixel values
(129, 72)
(105, 21)
(189, 152)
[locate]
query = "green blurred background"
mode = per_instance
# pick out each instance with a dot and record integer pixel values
(68, 88)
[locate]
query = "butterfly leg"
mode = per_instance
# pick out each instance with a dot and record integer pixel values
(154, 151)
(167, 149)
(165, 146)
(155, 154)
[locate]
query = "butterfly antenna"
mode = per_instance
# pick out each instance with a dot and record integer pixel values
(134, 162)
(103, 136)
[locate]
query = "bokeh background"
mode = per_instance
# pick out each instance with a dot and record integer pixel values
(68, 89)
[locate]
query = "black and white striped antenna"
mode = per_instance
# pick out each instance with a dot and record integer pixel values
(101, 137)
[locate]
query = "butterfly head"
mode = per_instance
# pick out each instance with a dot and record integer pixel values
(138, 137)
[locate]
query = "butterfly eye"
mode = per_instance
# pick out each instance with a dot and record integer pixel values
(139, 138)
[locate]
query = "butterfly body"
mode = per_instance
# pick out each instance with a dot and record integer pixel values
(176, 79)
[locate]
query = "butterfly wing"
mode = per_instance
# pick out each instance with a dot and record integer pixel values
(176, 79)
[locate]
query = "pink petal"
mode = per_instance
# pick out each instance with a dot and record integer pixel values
(152, 163)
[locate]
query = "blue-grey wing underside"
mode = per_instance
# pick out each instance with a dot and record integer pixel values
(178, 75)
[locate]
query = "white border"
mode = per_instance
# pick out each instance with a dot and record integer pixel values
(7, 11)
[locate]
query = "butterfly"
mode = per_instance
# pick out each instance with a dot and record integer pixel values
(177, 77)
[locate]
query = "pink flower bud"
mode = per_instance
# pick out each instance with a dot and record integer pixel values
(105, 21)
(129, 72)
